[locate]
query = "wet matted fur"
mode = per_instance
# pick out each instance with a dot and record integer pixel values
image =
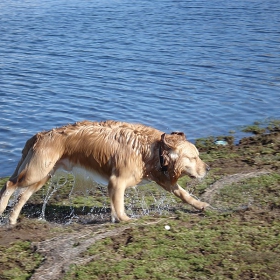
(118, 154)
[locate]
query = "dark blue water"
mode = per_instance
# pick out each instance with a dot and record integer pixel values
(202, 67)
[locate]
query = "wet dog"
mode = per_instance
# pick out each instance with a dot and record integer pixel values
(117, 154)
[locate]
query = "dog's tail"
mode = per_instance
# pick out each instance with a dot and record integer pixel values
(30, 143)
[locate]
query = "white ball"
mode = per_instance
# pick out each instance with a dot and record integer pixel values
(167, 227)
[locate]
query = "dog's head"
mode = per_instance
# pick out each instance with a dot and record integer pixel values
(180, 157)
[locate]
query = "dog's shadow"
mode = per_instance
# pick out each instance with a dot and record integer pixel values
(66, 214)
(83, 214)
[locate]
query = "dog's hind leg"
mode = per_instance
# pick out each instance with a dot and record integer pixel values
(33, 173)
(23, 197)
(5, 194)
(11, 185)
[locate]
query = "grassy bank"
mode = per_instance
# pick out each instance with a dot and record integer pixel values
(237, 239)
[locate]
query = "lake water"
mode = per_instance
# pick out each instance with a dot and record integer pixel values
(202, 67)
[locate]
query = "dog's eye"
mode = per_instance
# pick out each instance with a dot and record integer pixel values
(192, 158)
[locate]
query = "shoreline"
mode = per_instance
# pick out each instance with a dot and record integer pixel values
(209, 142)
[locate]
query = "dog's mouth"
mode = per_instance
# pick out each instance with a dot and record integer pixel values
(197, 176)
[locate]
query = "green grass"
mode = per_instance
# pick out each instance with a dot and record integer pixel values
(213, 247)
(262, 191)
(236, 244)
(18, 261)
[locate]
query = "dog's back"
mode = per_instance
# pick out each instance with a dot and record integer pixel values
(100, 146)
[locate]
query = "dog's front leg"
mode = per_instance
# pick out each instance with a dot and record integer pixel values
(186, 197)
(116, 189)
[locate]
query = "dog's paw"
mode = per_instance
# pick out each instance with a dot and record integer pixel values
(202, 205)
(124, 218)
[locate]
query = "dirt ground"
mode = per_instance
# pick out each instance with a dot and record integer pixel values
(252, 157)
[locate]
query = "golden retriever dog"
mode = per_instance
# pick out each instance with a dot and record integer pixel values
(117, 154)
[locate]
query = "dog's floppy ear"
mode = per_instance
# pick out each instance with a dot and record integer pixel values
(180, 134)
(170, 159)
(164, 147)
(170, 141)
